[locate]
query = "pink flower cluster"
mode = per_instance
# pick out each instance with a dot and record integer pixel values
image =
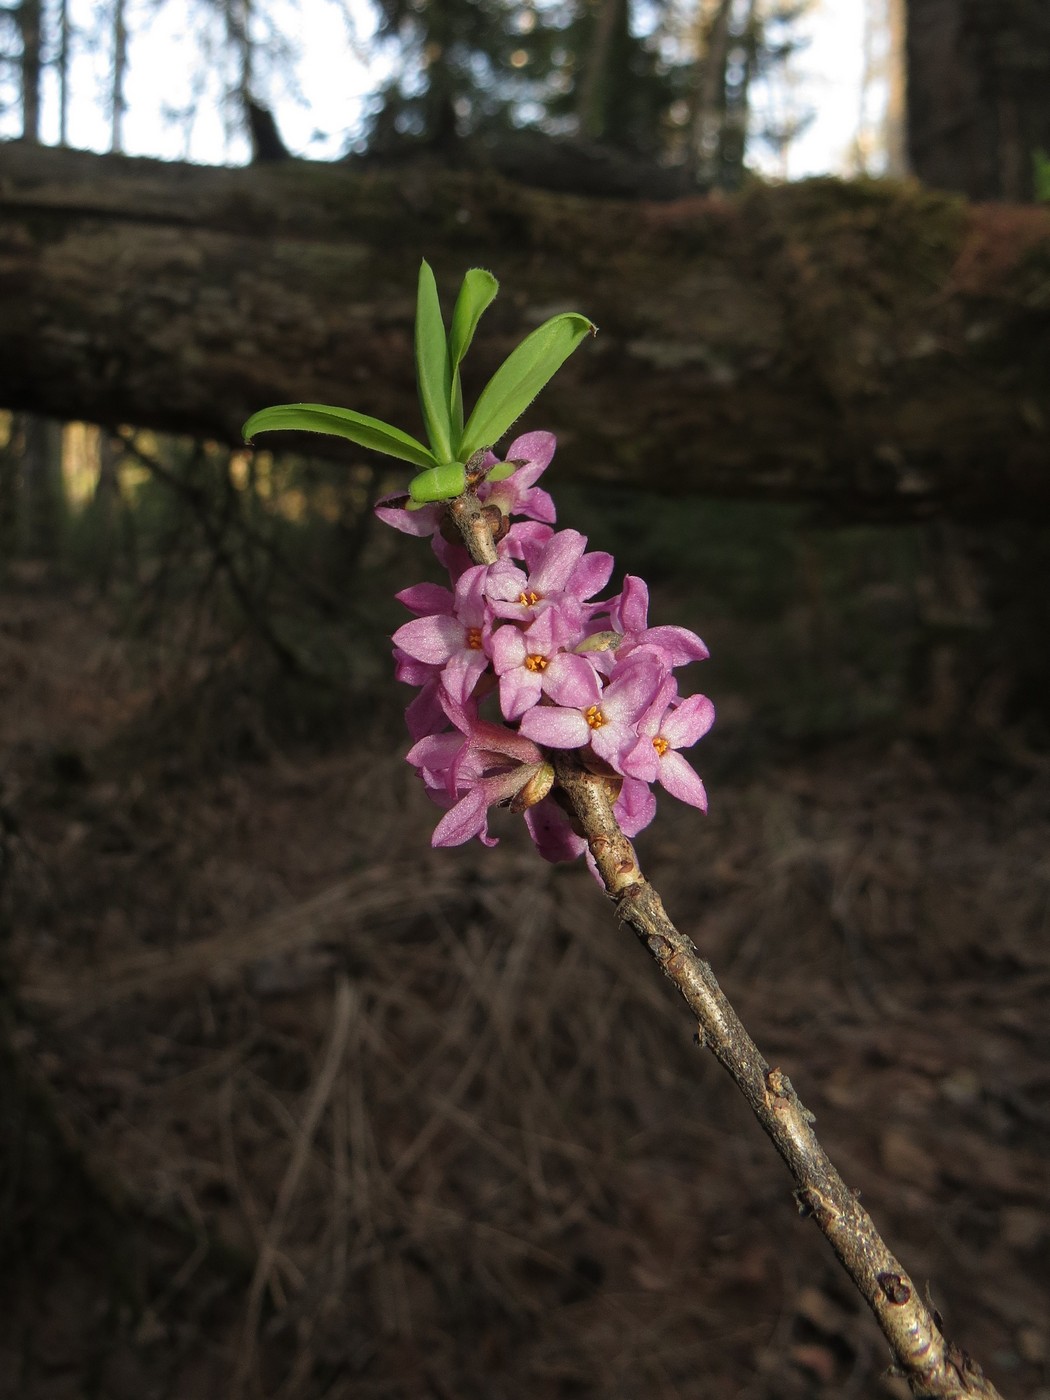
(522, 638)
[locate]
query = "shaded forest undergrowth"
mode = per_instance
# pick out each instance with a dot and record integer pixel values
(296, 1107)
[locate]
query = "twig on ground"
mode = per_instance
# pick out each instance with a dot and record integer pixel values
(319, 1096)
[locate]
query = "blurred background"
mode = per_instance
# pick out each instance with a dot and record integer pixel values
(294, 1106)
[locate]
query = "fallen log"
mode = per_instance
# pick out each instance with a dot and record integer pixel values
(875, 349)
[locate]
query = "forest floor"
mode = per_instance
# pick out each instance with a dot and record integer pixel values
(294, 1106)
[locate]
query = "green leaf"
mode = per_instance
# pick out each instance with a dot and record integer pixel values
(433, 375)
(340, 422)
(439, 484)
(520, 378)
(475, 296)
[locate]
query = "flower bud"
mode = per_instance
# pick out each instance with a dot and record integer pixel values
(497, 522)
(535, 789)
(600, 641)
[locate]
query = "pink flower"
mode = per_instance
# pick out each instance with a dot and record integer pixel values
(477, 768)
(456, 636)
(531, 662)
(559, 572)
(424, 714)
(605, 719)
(630, 615)
(571, 673)
(393, 510)
(672, 724)
(519, 494)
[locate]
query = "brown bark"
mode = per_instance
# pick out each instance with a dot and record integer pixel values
(877, 350)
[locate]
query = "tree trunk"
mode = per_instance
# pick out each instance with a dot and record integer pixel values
(28, 17)
(33, 491)
(597, 80)
(978, 94)
(895, 122)
(708, 94)
(877, 350)
(62, 63)
(117, 100)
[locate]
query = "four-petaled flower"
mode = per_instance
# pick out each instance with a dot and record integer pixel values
(454, 638)
(531, 662)
(671, 724)
(559, 572)
(604, 717)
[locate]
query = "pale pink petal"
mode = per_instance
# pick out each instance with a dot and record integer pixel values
(571, 681)
(677, 644)
(469, 817)
(641, 760)
(560, 557)
(470, 595)
(462, 672)
(425, 521)
(633, 688)
(681, 780)
(635, 807)
(519, 690)
(426, 598)
(535, 448)
(431, 639)
(592, 574)
(505, 582)
(550, 830)
(508, 649)
(688, 722)
(634, 605)
(558, 728)
(524, 536)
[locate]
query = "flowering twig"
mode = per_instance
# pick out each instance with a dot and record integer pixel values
(932, 1365)
(534, 696)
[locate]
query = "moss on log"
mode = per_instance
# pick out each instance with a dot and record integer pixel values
(874, 348)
